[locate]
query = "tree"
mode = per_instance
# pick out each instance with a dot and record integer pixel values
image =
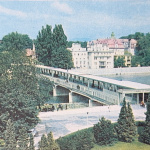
(52, 145)
(104, 132)
(125, 127)
(18, 92)
(15, 41)
(51, 47)
(23, 140)
(131, 123)
(43, 144)
(61, 57)
(31, 143)
(145, 135)
(10, 140)
(119, 62)
(44, 45)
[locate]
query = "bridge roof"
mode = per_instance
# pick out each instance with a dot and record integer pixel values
(127, 84)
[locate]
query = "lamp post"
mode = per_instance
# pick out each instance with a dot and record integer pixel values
(87, 118)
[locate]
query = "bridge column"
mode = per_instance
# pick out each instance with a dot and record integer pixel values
(88, 83)
(143, 97)
(90, 103)
(54, 90)
(137, 98)
(70, 97)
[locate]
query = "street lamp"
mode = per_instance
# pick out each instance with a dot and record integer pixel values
(87, 118)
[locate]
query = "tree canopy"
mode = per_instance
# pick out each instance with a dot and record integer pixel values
(51, 47)
(16, 41)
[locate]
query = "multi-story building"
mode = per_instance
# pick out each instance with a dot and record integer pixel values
(79, 56)
(100, 53)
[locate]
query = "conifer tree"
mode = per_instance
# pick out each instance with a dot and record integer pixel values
(43, 144)
(31, 143)
(125, 127)
(52, 145)
(131, 124)
(23, 140)
(10, 141)
(145, 135)
(104, 132)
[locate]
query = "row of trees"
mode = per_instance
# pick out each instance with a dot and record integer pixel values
(51, 47)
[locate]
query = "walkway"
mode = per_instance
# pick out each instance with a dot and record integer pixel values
(64, 122)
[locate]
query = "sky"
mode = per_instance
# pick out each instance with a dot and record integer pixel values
(82, 20)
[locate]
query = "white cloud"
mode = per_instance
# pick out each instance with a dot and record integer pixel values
(12, 12)
(62, 7)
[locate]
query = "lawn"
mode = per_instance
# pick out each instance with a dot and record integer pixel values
(136, 145)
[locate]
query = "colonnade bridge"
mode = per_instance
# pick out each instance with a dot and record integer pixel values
(80, 86)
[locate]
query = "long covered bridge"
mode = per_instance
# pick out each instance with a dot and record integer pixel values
(94, 88)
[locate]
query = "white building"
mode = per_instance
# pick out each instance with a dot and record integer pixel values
(100, 53)
(79, 55)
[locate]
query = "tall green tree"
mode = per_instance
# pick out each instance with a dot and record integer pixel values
(10, 140)
(43, 144)
(16, 41)
(23, 139)
(131, 123)
(61, 57)
(145, 135)
(31, 143)
(44, 45)
(104, 132)
(125, 127)
(51, 47)
(18, 92)
(52, 145)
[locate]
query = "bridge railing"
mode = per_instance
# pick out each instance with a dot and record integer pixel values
(106, 95)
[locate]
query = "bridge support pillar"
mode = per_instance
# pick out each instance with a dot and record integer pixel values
(54, 90)
(70, 97)
(90, 103)
(137, 98)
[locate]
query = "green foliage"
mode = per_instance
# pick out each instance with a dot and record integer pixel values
(48, 143)
(145, 135)
(104, 132)
(45, 86)
(23, 140)
(15, 41)
(51, 47)
(31, 143)
(52, 145)
(136, 36)
(10, 141)
(43, 144)
(18, 92)
(126, 128)
(81, 140)
(83, 44)
(62, 58)
(119, 62)
(44, 45)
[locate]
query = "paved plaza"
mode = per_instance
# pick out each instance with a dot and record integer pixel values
(64, 122)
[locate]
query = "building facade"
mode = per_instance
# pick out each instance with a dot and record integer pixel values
(100, 53)
(79, 55)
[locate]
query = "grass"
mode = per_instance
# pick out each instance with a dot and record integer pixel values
(136, 145)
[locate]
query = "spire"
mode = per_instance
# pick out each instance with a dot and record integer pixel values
(112, 35)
